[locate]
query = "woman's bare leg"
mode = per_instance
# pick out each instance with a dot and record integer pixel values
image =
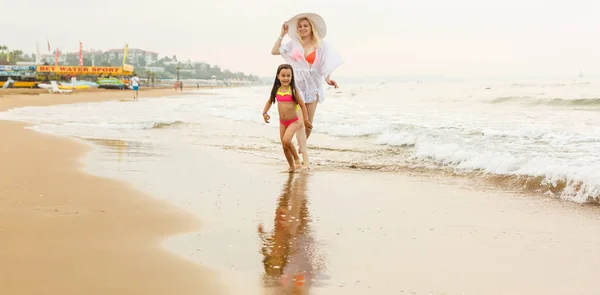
(311, 108)
(301, 138)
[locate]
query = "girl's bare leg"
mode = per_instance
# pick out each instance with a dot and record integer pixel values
(286, 151)
(287, 133)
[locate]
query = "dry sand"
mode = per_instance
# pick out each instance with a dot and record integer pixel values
(65, 232)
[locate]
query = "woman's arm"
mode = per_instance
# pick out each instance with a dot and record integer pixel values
(275, 49)
(330, 60)
(304, 110)
(331, 82)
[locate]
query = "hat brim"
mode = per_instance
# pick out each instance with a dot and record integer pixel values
(320, 25)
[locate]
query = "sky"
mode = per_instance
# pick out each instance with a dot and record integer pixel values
(459, 38)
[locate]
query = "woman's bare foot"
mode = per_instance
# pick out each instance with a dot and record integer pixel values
(305, 162)
(291, 170)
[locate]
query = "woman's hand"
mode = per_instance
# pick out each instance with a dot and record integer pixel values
(308, 124)
(332, 83)
(284, 29)
(266, 117)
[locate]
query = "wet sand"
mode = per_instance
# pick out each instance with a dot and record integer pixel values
(356, 232)
(64, 232)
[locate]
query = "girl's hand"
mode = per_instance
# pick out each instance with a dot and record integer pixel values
(307, 124)
(332, 83)
(284, 29)
(266, 117)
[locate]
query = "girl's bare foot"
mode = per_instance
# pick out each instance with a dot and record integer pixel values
(291, 170)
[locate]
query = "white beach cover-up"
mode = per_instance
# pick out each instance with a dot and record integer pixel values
(309, 80)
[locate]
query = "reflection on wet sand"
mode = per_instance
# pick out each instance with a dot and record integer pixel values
(123, 148)
(289, 255)
(120, 145)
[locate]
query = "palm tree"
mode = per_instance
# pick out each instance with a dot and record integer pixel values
(16, 55)
(4, 54)
(3, 48)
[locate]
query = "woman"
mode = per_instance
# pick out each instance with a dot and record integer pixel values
(313, 61)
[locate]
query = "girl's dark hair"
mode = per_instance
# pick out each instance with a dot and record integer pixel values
(277, 83)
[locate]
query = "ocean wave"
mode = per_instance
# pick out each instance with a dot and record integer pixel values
(530, 100)
(555, 84)
(161, 125)
(540, 175)
(568, 179)
(141, 125)
(408, 135)
(502, 99)
(563, 188)
(572, 102)
(351, 130)
(396, 138)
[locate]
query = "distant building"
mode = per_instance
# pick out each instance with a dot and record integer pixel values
(187, 71)
(154, 69)
(25, 63)
(51, 58)
(132, 55)
(92, 54)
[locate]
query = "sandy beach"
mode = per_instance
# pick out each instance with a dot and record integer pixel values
(63, 231)
(204, 219)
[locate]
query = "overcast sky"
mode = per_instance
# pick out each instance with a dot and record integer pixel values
(375, 37)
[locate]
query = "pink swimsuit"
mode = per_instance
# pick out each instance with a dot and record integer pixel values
(285, 97)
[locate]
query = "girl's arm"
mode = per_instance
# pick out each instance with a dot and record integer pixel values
(266, 116)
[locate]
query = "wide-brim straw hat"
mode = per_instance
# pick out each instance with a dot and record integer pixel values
(319, 26)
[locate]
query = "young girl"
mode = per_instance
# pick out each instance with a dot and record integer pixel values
(288, 98)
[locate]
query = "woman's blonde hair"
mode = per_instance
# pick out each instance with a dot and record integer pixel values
(315, 35)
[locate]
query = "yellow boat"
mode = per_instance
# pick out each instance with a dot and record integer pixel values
(20, 84)
(23, 84)
(71, 87)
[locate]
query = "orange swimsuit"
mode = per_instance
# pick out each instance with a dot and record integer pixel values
(311, 57)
